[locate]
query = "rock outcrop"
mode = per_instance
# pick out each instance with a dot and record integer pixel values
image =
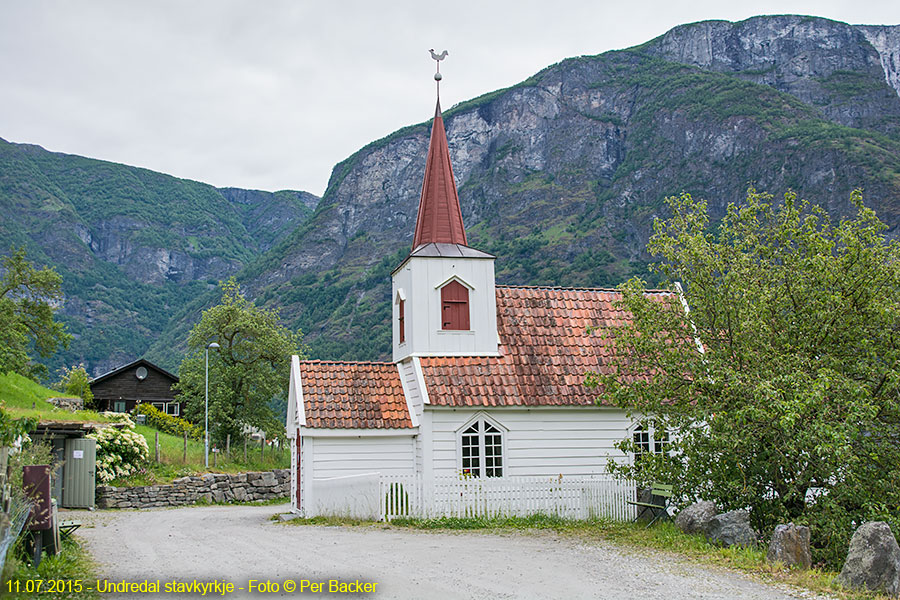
(824, 63)
(886, 40)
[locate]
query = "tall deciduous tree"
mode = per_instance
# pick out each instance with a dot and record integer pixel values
(250, 368)
(77, 382)
(29, 299)
(792, 408)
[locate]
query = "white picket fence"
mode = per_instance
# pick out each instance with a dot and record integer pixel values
(386, 497)
(354, 496)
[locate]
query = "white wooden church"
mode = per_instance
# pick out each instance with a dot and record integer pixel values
(486, 386)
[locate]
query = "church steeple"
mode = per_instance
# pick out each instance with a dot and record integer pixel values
(440, 218)
(443, 295)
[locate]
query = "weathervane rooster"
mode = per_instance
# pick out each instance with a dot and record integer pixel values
(437, 60)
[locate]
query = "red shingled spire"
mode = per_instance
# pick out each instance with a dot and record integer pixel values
(440, 218)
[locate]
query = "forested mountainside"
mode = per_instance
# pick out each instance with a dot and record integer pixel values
(560, 176)
(133, 246)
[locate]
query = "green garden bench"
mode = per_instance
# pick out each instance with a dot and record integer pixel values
(660, 495)
(67, 528)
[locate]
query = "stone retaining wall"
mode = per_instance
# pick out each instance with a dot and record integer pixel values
(211, 487)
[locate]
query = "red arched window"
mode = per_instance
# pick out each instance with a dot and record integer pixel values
(455, 306)
(402, 320)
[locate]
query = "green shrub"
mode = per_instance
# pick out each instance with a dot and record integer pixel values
(64, 573)
(169, 424)
(30, 453)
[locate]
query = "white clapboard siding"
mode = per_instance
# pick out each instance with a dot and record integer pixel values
(340, 456)
(598, 497)
(571, 441)
(421, 279)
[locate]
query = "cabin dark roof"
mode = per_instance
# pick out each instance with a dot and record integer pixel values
(135, 364)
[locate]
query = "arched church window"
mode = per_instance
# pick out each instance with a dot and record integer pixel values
(481, 450)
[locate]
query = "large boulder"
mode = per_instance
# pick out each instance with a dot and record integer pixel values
(873, 560)
(790, 546)
(695, 518)
(731, 529)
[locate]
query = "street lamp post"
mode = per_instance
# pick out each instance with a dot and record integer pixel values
(213, 346)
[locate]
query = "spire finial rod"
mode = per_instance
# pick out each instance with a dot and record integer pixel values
(437, 75)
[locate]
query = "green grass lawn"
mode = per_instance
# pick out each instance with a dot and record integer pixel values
(172, 464)
(23, 398)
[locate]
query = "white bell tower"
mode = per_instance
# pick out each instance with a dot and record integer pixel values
(443, 298)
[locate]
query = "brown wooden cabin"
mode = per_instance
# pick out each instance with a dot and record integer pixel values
(122, 389)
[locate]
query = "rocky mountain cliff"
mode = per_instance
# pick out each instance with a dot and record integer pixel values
(133, 246)
(835, 67)
(561, 175)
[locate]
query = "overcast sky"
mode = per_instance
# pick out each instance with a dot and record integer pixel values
(270, 94)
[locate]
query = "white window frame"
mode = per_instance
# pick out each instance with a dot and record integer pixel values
(175, 412)
(504, 455)
(655, 446)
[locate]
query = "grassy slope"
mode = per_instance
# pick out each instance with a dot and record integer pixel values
(23, 398)
(172, 465)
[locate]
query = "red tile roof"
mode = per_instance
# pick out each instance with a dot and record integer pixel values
(355, 395)
(545, 346)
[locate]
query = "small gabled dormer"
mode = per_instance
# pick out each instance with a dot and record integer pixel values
(444, 297)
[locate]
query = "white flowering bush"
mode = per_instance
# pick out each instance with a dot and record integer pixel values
(119, 417)
(120, 452)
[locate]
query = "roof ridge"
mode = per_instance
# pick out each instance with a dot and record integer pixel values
(583, 289)
(125, 367)
(346, 362)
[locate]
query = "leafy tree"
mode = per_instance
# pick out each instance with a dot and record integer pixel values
(250, 368)
(77, 382)
(12, 430)
(793, 406)
(29, 298)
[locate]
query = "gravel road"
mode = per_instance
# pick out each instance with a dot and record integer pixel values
(239, 543)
